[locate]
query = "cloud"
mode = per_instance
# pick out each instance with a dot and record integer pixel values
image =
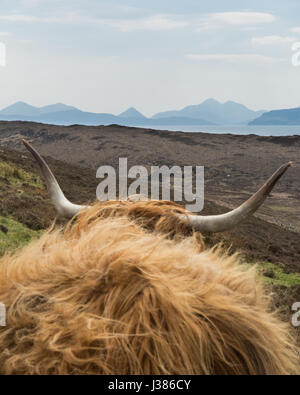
(31, 2)
(234, 58)
(18, 18)
(272, 40)
(24, 41)
(221, 19)
(295, 29)
(154, 22)
(127, 9)
(36, 3)
(243, 18)
(32, 18)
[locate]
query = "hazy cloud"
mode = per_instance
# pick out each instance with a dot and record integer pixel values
(104, 56)
(18, 18)
(221, 19)
(234, 58)
(295, 29)
(154, 22)
(243, 18)
(272, 40)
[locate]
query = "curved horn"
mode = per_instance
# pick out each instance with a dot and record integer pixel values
(220, 223)
(61, 203)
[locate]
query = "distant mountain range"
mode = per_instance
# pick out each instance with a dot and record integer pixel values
(60, 114)
(25, 109)
(215, 112)
(279, 117)
(210, 112)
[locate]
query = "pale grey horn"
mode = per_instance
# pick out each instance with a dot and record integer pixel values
(223, 222)
(61, 203)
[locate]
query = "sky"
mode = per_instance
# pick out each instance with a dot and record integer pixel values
(158, 55)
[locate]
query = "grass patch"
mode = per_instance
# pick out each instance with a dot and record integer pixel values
(18, 177)
(275, 275)
(13, 234)
(281, 208)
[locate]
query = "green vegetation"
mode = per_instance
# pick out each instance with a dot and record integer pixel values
(13, 234)
(281, 208)
(18, 177)
(13, 182)
(274, 274)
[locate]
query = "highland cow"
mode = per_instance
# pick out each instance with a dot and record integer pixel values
(129, 288)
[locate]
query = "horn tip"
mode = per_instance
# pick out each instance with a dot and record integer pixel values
(25, 142)
(284, 167)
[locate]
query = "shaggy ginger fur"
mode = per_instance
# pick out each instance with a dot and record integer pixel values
(117, 293)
